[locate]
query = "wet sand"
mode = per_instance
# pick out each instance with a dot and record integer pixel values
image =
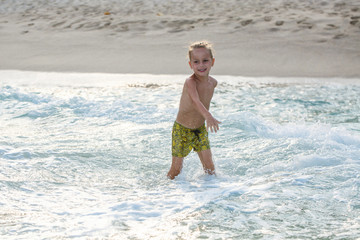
(251, 38)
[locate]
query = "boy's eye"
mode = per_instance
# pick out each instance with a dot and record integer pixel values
(206, 60)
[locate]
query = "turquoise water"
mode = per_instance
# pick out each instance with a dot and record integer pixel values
(85, 156)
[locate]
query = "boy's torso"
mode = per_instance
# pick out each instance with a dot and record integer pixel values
(188, 116)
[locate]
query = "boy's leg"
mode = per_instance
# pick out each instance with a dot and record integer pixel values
(176, 166)
(207, 162)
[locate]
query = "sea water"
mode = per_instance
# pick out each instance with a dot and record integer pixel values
(85, 156)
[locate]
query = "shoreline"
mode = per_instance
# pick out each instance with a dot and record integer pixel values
(276, 40)
(146, 80)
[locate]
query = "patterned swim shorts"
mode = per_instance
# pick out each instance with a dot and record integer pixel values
(185, 139)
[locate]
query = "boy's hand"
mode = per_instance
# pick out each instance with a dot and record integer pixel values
(212, 124)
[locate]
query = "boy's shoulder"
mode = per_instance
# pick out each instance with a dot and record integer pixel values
(192, 80)
(213, 80)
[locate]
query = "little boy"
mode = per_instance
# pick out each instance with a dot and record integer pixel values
(189, 130)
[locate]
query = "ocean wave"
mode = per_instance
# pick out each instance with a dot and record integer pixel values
(40, 106)
(9, 93)
(261, 127)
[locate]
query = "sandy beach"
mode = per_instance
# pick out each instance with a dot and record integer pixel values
(251, 38)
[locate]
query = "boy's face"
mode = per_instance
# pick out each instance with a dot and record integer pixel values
(201, 61)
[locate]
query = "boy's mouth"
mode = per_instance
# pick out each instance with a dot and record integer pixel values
(202, 70)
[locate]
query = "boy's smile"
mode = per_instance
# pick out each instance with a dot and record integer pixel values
(201, 62)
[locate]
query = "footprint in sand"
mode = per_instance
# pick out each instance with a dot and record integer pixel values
(268, 18)
(339, 36)
(279, 23)
(274, 29)
(58, 24)
(246, 22)
(305, 25)
(321, 41)
(123, 28)
(331, 27)
(339, 6)
(354, 20)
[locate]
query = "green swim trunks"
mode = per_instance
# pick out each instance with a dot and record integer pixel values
(185, 139)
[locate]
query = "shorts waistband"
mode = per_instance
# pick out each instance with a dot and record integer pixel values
(190, 129)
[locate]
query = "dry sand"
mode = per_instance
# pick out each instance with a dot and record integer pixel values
(302, 38)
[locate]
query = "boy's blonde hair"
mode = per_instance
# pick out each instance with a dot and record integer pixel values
(201, 44)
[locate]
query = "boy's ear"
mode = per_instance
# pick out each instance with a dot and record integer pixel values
(213, 61)
(190, 64)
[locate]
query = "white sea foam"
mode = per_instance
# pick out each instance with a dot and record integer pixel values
(86, 155)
